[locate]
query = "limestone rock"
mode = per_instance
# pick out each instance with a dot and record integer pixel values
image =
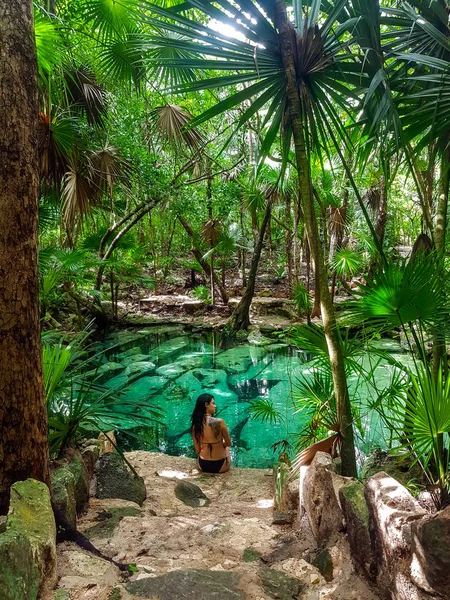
(114, 479)
(81, 480)
(356, 514)
(63, 484)
(90, 455)
(258, 339)
(319, 497)
(191, 494)
(430, 567)
(28, 547)
(324, 563)
(392, 511)
(398, 466)
(189, 585)
(279, 585)
(139, 367)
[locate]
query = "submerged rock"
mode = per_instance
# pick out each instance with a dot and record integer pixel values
(238, 359)
(171, 371)
(114, 479)
(189, 585)
(139, 367)
(191, 494)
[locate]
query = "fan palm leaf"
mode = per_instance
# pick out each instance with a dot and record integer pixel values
(85, 93)
(173, 123)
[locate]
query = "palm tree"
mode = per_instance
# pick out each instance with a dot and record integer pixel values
(305, 76)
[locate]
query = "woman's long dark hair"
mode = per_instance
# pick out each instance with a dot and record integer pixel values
(199, 413)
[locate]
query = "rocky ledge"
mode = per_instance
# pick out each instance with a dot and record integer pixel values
(199, 536)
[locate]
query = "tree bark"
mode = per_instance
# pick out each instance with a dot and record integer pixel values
(23, 418)
(439, 348)
(296, 116)
(240, 319)
(380, 222)
(289, 243)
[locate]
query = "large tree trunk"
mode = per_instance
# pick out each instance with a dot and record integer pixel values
(23, 419)
(296, 116)
(289, 243)
(240, 319)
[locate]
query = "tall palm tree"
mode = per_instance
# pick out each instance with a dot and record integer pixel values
(306, 71)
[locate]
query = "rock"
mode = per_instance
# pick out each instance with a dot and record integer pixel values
(139, 367)
(108, 521)
(356, 514)
(171, 371)
(430, 568)
(319, 497)
(398, 466)
(264, 294)
(81, 480)
(324, 563)
(114, 479)
(63, 484)
(258, 339)
(2, 523)
(28, 547)
(279, 585)
(251, 555)
(107, 442)
(392, 511)
(61, 595)
(136, 358)
(109, 367)
(191, 494)
(238, 359)
(90, 455)
(189, 585)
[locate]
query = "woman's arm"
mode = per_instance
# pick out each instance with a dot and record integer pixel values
(225, 436)
(196, 442)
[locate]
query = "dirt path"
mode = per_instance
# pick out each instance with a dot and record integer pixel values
(228, 549)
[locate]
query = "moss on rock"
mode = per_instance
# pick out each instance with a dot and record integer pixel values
(108, 521)
(28, 547)
(63, 484)
(78, 469)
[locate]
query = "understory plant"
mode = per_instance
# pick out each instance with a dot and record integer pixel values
(77, 404)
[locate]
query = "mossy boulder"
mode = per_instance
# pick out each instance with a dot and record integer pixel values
(190, 494)
(63, 484)
(398, 466)
(81, 480)
(356, 515)
(28, 547)
(279, 585)
(114, 479)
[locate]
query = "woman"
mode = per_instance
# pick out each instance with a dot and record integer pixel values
(210, 435)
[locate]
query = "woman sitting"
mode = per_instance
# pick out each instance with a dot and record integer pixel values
(210, 435)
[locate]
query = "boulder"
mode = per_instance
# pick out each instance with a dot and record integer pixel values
(189, 585)
(191, 494)
(258, 339)
(63, 485)
(319, 497)
(28, 547)
(81, 479)
(114, 479)
(90, 455)
(398, 466)
(430, 568)
(356, 514)
(139, 367)
(392, 511)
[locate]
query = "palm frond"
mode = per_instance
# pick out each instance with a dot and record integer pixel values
(172, 122)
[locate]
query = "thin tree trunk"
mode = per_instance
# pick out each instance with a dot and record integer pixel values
(380, 222)
(439, 348)
(240, 319)
(131, 222)
(199, 257)
(289, 243)
(296, 116)
(23, 417)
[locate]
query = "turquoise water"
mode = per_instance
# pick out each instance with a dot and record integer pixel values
(170, 367)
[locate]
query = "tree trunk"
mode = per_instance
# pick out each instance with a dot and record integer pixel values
(439, 349)
(289, 243)
(380, 222)
(199, 257)
(240, 319)
(296, 116)
(23, 418)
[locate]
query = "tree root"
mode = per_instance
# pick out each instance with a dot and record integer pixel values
(66, 532)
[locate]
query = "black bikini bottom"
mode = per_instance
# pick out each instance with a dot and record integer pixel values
(210, 466)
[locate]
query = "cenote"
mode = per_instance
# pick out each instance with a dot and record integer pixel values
(169, 366)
